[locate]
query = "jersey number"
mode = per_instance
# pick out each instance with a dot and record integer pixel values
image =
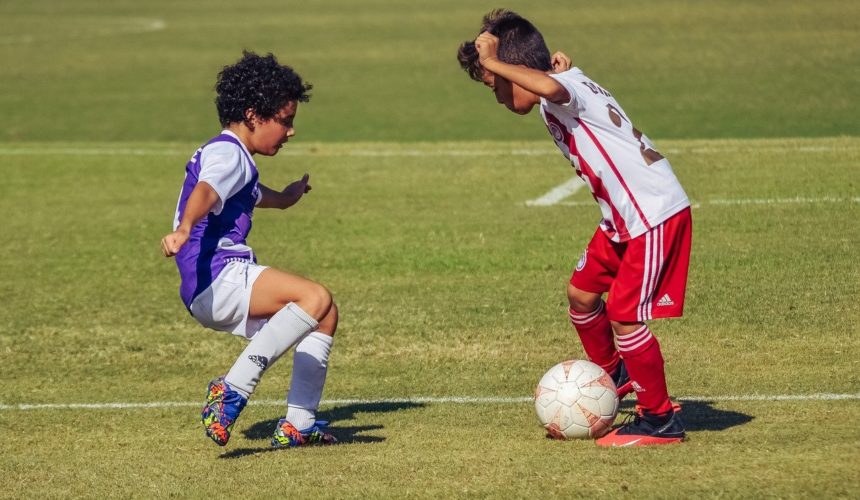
(615, 116)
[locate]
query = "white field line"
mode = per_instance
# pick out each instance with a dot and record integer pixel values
(555, 196)
(415, 400)
(799, 200)
(558, 193)
(105, 29)
(760, 148)
(286, 152)
(92, 152)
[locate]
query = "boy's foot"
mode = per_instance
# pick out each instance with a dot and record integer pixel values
(287, 436)
(222, 408)
(646, 429)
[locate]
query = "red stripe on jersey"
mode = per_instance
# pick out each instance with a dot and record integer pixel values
(615, 170)
(566, 136)
(600, 192)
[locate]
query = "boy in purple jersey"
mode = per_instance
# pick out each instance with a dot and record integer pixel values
(639, 255)
(222, 286)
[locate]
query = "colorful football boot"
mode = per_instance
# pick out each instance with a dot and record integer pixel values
(222, 408)
(642, 429)
(287, 436)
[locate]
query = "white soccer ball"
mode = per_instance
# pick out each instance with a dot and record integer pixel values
(576, 399)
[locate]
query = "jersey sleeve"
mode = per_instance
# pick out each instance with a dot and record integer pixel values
(221, 168)
(568, 85)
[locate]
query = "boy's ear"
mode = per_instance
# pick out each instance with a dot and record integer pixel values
(250, 118)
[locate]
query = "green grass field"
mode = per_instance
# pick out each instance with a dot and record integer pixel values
(450, 286)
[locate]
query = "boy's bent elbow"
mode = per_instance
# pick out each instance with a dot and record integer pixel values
(556, 93)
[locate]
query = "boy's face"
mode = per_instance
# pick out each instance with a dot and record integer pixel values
(514, 97)
(269, 135)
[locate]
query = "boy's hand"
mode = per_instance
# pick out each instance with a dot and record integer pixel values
(171, 243)
(294, 192)
(487, 46)
(560, 62)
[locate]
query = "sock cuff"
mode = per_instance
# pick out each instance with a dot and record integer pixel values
(578, 318)
(242, 392)
(322, 337)
(301, 418)
(633, 343)
(317, 344)
(302, 315)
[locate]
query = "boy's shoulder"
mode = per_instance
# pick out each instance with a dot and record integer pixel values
(572, 73)
(225, 144)
(225, 139)
(573, 76)
(583, 88)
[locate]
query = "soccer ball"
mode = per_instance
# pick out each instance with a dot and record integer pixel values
(576, 399)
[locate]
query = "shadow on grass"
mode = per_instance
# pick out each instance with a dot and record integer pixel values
(345, 434)
(702, 416)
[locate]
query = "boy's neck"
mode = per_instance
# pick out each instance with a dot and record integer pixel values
(243, 133)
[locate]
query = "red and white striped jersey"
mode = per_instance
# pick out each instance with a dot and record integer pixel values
(633, 183)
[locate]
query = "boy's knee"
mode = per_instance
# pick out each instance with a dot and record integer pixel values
(328, 325)
(580, 300)
(625, 327)
(332, 312)
(316, 301)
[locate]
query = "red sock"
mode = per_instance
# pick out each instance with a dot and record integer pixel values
(644, 362)
(595, 333)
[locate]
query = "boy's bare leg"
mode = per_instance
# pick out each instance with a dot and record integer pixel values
(274, 290)
(293, 306)
(588, 316)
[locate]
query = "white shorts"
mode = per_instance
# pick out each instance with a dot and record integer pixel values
(224, 305)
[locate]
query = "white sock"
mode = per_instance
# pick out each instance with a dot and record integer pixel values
(310, 365)
(283, 330)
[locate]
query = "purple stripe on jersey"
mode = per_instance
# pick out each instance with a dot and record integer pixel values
(200, 260)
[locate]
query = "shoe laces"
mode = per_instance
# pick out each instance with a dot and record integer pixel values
(653, 420)
(232, 397)
(633, 418)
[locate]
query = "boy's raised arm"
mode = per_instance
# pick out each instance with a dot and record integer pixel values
(286, 198)
(532, 80)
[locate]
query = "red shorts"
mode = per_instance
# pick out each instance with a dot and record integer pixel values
(646, 277)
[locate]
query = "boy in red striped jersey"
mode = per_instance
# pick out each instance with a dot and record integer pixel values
(639, 254)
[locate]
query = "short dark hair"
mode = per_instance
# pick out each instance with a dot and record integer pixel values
(259, 83)
(519, 43)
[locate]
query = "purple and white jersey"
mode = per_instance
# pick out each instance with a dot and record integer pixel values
(225, 164)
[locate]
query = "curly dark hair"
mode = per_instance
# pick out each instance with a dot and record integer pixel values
(520, 43)
(259, 83)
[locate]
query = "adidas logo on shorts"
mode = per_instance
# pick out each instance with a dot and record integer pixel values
(665, 300)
